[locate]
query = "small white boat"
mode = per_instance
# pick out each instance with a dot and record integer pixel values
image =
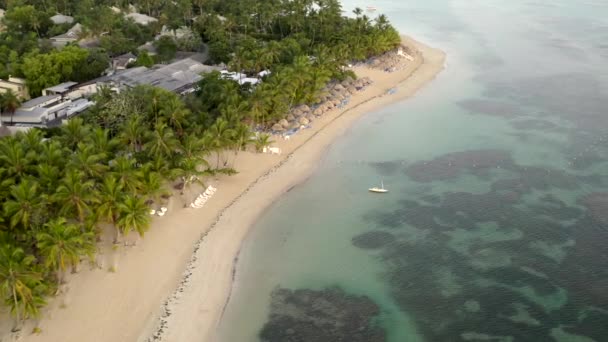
(381, 189)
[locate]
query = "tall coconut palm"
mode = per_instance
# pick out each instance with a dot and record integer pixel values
(10, 103)
(221, 137)
(5, 183)
(101, 141)
(133, 216)
(18, 282)
(52, 153)
(161, 166)
(62, 244)
(188, 172)
(241, 139)
(88, 161)
(15, 158)
(24, 205)
(161, 142)
(74, 195)
(73, 132)
(31, 139)
(175, 115)
(111, 196)
(127, 174)
(192, 146)
(133, 133)
(151, 184)
(48, 176)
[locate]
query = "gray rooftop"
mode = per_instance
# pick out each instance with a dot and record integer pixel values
(29, 116)
(39, 100)
(62, 87)
(170, 77)
(71, 34)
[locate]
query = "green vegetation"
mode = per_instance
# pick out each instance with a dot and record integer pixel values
(58, 187)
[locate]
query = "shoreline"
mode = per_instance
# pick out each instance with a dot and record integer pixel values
(187, 313)
(201, 246)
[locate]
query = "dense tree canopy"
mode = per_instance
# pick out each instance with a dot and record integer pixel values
(59, 186)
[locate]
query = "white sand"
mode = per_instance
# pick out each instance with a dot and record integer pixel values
(124, 305)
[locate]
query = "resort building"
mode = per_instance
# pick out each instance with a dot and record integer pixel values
(121, 62)
(16, 85)
(61, 89)
(239, 77)
(70, 36)
(45, 111)
(179, 77)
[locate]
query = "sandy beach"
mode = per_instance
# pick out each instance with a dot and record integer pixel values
(174, 284)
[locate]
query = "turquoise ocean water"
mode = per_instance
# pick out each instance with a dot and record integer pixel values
(496, 224)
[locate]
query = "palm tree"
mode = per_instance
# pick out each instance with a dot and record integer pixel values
(151, 184)
(74, 132)
(10, 103)
(90, 163)
(52, 153)
(15, 158)
(261, 141)
(132, 133)
(75, 194)
(18, 282)
(241, 138)
(161, 142)
(5, 183)
(101, 141)
(221, 137)
(188, 171)
(25, 204)
(175, 114)
(160, 165)
(111, 196)
(61, 244)
(126, 173)
(48, 176)
(133, 216)
(31, 139)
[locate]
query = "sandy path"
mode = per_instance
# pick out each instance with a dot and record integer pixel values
(124, 305)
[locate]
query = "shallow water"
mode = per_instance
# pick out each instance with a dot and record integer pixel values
(496, 224)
